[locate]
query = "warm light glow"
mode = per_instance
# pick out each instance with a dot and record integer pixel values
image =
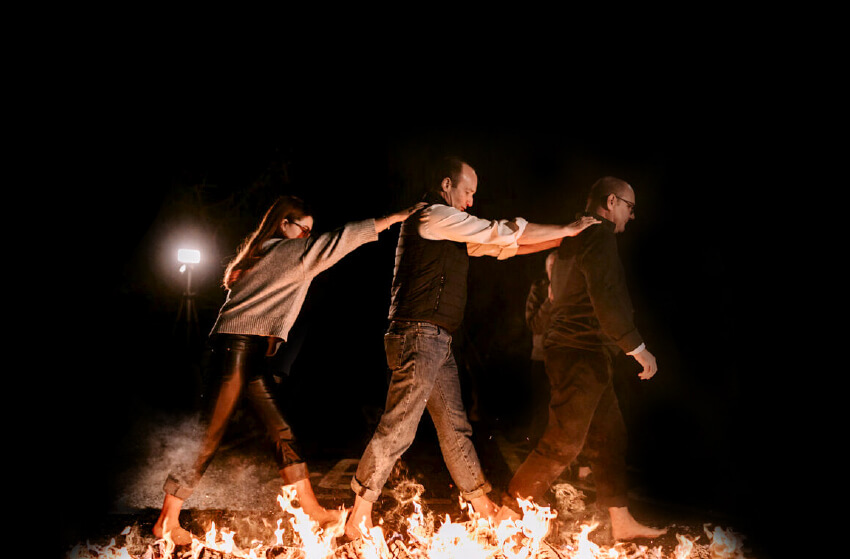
(188, 256)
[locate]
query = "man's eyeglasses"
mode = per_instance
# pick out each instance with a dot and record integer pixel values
(631, 205)
(305, 231)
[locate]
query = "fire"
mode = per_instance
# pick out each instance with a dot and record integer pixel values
(513, 537)
(724, 544)
(314, 540)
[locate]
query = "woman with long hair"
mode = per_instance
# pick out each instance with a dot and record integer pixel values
(266, 285)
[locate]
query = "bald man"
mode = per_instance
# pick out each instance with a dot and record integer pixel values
(591, 318)
(427, 304)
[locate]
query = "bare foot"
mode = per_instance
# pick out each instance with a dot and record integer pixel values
(329, 520)
(359, 519)
(485, 507)
(506, 513)
(624, 527)
(178, 535)
(168, 523)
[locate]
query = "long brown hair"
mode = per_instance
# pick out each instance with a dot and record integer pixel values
(250, 251)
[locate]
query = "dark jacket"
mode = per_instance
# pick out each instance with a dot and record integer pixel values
(592, 308)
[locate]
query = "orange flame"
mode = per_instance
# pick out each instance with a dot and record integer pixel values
(513, 537)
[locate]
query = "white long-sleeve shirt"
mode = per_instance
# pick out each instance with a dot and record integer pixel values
(483, 237)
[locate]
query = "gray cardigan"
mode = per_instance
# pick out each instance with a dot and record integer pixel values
(266, 300)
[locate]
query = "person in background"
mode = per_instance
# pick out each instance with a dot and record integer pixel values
(537, 307)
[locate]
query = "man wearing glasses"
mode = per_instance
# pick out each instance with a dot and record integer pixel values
(590, 320)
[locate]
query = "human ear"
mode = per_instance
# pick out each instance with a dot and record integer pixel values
(446, 184)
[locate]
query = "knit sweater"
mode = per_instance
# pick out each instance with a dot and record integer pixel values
(266, 300)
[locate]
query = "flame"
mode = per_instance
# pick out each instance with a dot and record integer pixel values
(457, 540)
(517, 537)
(725, 544)
(683, 550)
(210, 539)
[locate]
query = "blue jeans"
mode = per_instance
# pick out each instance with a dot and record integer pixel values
(424, 374)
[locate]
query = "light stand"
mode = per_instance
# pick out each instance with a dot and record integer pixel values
(188, 312)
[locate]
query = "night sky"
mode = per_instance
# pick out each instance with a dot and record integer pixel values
(181, 172)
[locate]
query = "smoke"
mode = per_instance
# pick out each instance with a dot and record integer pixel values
(570, 501)
(242, 475)
(407, 493)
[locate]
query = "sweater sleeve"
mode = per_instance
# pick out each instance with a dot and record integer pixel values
(606, 285)
(327, 249)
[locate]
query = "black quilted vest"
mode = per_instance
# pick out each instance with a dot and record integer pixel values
(429, 280)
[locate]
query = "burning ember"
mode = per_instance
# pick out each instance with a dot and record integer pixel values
(420, 536)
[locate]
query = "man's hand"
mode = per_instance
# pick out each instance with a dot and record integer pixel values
(647, 360)
(580, 225)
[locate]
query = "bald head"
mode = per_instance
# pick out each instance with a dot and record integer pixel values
(613, 199)
(597, 198)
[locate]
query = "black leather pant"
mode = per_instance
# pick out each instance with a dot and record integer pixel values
(241, 358)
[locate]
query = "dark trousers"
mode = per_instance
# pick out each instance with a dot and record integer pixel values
(241, 358)
(583, 415)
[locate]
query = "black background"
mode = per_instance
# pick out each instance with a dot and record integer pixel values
(704, 432)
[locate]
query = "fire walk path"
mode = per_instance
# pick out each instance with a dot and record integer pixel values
(241, 487)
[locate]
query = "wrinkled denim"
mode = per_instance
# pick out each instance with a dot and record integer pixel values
(424, 375)
(241, 359)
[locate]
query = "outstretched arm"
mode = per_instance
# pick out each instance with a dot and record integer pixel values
(537, 247)
(325, 250)
(536, 233)
(382, 223)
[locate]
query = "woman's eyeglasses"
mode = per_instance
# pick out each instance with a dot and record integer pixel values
(305, 231)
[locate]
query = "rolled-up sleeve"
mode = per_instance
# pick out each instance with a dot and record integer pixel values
(484, 237)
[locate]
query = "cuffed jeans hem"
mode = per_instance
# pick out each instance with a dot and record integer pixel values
(293, 473)
(364, 492)
(371, 495)
(481, 491)
(173, 487)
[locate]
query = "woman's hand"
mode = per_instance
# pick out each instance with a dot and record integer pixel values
(382, 223)
(580, 225)
(405, 213)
